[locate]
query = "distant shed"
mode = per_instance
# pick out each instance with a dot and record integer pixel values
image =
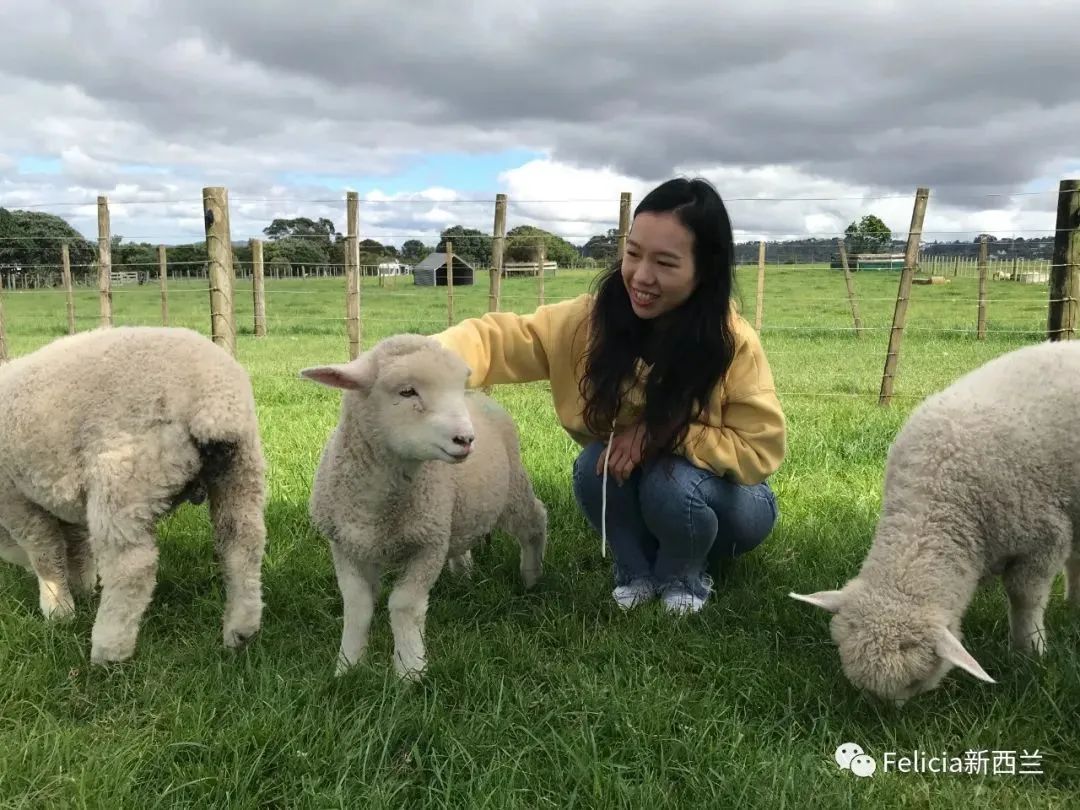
(431, 272)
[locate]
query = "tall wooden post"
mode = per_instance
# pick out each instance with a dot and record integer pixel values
(104, 260)
(163, 277)
(903, 294)
(69, 286)
(219, 254)
(1065, 270)
(449, 282)
(258, 286)
(850, 284)
(498, 251)
(352, 272)
(624, 221)
(981, 324)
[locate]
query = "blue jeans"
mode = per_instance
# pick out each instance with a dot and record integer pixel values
(666, 528)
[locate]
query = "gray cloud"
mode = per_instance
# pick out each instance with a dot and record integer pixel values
(875, 98)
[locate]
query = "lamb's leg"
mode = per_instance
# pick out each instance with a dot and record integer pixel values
(237, 498)
(461, 565)
(81, 567)
(408, 605)
(12, 552)
(1072, 580)
(359, 585)
(123, 542)
(1028, 586)
(526, 520)
(41, 540)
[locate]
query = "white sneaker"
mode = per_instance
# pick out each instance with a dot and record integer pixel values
(677, 600)
(634, 593)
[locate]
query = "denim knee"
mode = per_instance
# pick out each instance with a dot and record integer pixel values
(703, 509)
(588, 487)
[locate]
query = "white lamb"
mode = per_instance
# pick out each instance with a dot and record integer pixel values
(417, 470)
(101, 434)
(983, 480)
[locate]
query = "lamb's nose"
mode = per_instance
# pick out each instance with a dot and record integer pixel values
(464, 439)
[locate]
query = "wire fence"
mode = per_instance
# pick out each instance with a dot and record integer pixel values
(832, 320)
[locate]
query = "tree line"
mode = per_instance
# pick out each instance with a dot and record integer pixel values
(30, 243)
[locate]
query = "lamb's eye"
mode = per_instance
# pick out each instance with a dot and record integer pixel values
(408, 392)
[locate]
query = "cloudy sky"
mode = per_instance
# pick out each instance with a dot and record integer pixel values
(805, 115)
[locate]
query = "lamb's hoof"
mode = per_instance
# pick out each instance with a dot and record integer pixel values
(57, 610)
(530, 577)
(239, 630)
(412, 672)
(102, 654)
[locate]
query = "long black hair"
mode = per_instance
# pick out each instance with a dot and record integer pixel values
(690, 348)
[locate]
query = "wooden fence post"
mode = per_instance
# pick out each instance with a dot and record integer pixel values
(1065, 270)
(163, 276)
(498, 251)
(850, 283)
(258, 286)
(760, 285)
(104, 260)
(69, 286)
(624, 221)
(983, 251)
(903, 293)
(449, 282)
(3, 333)
(352, 272)
(219, 254)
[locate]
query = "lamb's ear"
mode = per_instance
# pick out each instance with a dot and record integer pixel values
(831, 601)
(949, 647)
(354, 376)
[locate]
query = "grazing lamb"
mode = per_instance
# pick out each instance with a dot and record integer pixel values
(104, 432)
(417, 470)
(983, 480)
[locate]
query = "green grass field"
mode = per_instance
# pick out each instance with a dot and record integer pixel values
(553, 698)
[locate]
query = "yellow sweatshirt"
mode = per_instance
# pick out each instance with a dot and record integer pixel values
(742, 434)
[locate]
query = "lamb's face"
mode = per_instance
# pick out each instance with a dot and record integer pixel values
(419, 403)
(888, 646)
(888, 651)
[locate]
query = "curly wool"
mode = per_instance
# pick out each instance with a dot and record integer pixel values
(981, 482)
(386, 492)
(103, 433)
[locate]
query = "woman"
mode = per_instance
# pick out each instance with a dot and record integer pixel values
(630, 367)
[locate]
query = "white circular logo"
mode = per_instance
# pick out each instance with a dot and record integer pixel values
(863, 765)
(847, 752)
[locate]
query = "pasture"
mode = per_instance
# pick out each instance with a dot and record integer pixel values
(553, 698)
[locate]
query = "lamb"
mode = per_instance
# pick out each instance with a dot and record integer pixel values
(104, 432)
(983, 480)
(417, 470)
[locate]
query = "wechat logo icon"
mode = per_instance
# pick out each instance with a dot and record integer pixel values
(850, 756)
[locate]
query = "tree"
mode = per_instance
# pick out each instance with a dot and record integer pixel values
(30, 241)
(413, 250)
(868, 235)
(603, 248)
(522, 242)
(320, 230)
(470, 244)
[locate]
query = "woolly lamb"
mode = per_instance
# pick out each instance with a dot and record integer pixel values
(104, 432)
(982, 481)
(417, 470)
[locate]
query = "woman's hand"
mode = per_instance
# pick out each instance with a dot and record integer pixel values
(625, 453)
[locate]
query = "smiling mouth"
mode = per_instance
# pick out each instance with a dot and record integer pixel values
(642, 298)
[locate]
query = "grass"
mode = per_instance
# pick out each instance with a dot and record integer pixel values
(552, 698)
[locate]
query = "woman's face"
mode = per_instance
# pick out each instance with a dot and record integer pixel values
(658, 265)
